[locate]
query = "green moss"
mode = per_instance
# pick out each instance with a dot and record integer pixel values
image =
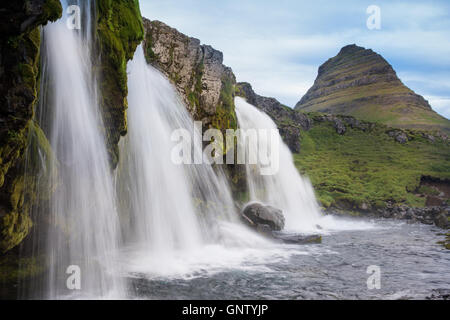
(52, 10)
(14, 268)
(150, 55)
(20, 74)
(225, 116)
(368, 167)
(15, 228)
(195, 94)
(427, 190)
(40, 173)
(119, 30)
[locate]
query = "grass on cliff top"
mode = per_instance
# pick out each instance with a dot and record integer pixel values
(368, 167)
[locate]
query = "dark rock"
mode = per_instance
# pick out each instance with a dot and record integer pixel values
(297, 238)
(439, 294)
(441, 221)
(399, 136)
(335, 120)
(258, 214)
(437, 215)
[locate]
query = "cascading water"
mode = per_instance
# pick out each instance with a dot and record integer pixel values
(285, 189)
(175, 211)
(83, 232)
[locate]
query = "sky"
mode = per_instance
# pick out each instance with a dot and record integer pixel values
(278, 45)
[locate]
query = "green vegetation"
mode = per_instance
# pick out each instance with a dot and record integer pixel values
(225, 116)
(193, 96)
(21, 69)
(363, 103)
(120, 30)
(13, 268)
(365, 169)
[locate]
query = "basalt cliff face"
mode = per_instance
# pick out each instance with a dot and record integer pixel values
(196, 70)
(361, 83)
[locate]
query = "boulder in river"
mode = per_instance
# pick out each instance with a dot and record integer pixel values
(297, 238)
(256, 215)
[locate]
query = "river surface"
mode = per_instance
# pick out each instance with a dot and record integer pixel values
(412, 266)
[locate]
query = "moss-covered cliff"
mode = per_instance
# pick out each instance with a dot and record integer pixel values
(19, 73)
(119, 31)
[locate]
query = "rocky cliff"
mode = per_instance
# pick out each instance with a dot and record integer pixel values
(19, 72)
(361, 83)
(196, 70)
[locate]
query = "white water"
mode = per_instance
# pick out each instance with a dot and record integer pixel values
(82, 212)
(287, 189)
(176, 211)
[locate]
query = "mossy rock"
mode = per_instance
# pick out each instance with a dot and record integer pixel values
(14, 268)
(20, 45)
(119, 31)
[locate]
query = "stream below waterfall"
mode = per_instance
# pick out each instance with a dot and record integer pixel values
(412, 266)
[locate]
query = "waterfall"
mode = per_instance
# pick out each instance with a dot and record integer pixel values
(83, 235)
(285, 189)
(172, 208)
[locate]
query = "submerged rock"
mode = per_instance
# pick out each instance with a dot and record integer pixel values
(297, 238)
(262, 217)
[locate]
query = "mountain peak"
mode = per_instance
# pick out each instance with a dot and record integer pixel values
(361, 83)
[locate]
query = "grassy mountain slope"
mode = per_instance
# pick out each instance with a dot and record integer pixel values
(366, 167)
(361, 83)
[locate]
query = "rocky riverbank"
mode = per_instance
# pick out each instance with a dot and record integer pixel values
(437, 215)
